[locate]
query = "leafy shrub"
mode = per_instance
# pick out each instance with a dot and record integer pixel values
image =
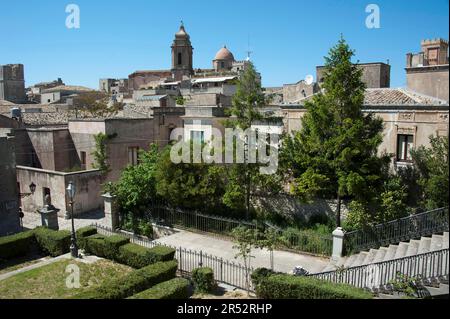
(301, 287)
(105, 246)
(177, 288)
(307, 240)
(405, 284)
(260, 274)
(145, 228)
(95, 245)
(133, 282)
(53, 242)
(203, 279)
(84, 232)
(137, 256)
(112, 246)
(16, 245)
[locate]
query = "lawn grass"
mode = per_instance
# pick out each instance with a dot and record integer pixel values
(49, 282)
(20, 262)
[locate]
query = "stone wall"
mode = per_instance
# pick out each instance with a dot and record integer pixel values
(87, 183)
(431, 81)
(9, 215)
(290, 207)
(375, 75)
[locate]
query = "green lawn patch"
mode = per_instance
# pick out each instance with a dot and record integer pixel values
(49, 282)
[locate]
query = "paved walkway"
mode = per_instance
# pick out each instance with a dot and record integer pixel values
(283, 261)
(33, 220)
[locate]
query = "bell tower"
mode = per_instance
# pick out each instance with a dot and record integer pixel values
(182, 54)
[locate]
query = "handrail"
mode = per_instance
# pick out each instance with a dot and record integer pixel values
(403, 229)
(425, 267)
(302, 241)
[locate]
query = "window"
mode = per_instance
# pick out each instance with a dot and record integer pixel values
(83, 160)
(222, 65)
(180, 60)
(198, 136)
(405, 143)
(133, 153)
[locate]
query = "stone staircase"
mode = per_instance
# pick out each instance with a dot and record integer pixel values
(434, 286)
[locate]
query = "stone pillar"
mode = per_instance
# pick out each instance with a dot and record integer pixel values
(111, 211)
(49, 217)
(338, 243)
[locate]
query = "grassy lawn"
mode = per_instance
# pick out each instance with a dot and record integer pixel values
(49, 282)
(11, 265)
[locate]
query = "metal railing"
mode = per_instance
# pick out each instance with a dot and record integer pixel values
(225, 271)
(423, 268)
(215, 225)
(298, 240)
(404, 229)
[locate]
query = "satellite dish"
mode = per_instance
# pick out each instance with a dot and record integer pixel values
(309, 79)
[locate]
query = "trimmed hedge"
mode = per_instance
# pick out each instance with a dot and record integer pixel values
(137, 256)
(112, 245)
(133, 282)
(16, 245)
(259, 274)
(95, 245)
(84, 232)
(177, 288)
(203, 279)
(53, 242)
(303, 287)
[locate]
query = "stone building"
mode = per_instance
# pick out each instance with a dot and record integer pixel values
(375, 75)
(427, 71)
(62, 94)
(183, 78)
(34, 92)
(12, 83)
(9, 213)
(409, 120)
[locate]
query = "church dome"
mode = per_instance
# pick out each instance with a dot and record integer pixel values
(224, 54)
(182, 32)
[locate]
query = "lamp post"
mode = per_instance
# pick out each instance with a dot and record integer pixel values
(73, 240)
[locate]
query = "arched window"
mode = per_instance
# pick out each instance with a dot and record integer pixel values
(180, 60)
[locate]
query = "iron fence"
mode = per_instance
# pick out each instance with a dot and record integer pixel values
(404, 229)
(225, 271)
(216, 225)
(298, 240)
(423, 268)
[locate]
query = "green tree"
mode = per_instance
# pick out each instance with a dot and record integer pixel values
(432, 167)
(190, 185)
(136, 188)
(100, 153)
(245, 240)
(244, 180)
(334, 155)
(270, 240)
(390, 205)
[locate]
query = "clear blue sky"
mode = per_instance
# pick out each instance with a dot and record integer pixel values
(289, 38)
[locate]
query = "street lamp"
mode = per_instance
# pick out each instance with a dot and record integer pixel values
(32, 187)
(73, 240)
